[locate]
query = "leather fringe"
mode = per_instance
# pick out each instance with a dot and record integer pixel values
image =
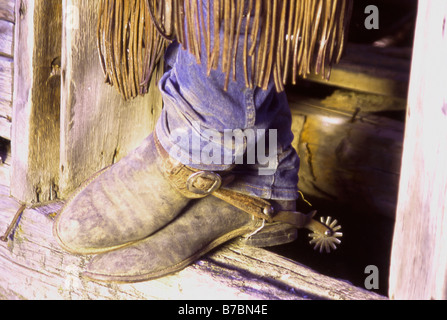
(129, 45)
(283, 39)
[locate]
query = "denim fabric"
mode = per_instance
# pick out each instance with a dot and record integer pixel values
(246, 130)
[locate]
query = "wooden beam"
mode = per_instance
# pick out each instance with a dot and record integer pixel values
(368, 69)
(419, 254)
(35, 267)
(97, 126)
(36, 101)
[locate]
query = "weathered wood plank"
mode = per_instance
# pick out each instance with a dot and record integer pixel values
(5, 128)
(356, 101)
(6, 109)
(6, 66)
(5, 162)
(35, 129)
(6, 38)
(419, 255)
(352, 158)
(34, 267)
(6, 79)
(7, 10)
(98, 126)
(368, 69)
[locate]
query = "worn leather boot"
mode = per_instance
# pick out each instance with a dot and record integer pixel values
(123, 203)
(204, 225)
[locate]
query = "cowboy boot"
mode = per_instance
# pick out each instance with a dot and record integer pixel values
(123, 203)
(204, 225)
(146, 190)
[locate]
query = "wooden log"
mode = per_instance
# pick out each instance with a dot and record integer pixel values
(419, 254)
(36, 101)
(35, 267)
(348, 157)
(98, 126)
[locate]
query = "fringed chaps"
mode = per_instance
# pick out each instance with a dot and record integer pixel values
(283, 39)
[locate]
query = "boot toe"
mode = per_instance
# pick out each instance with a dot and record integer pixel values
(119, 205)
(195, 232)
(81, 229)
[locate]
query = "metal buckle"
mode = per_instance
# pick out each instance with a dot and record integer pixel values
(191, 183)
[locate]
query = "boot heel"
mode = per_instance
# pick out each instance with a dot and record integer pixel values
(271, 235)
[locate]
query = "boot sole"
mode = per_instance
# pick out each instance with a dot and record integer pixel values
(271, 235)
(172, 269)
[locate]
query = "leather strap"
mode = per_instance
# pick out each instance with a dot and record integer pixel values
(190, 182)
(256, 207)
(196, 184)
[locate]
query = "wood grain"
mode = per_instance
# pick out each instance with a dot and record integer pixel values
(36, 102)
(352, 158)
(368, 69)
(6, 66)
(98, 126)
(419, 255)
(7, 10)
(6, 38)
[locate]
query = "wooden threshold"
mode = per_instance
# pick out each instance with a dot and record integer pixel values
(33, 266)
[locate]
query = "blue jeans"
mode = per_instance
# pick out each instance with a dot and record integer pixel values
(247, 130)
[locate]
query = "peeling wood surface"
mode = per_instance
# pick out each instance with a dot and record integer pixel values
(33, 266)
